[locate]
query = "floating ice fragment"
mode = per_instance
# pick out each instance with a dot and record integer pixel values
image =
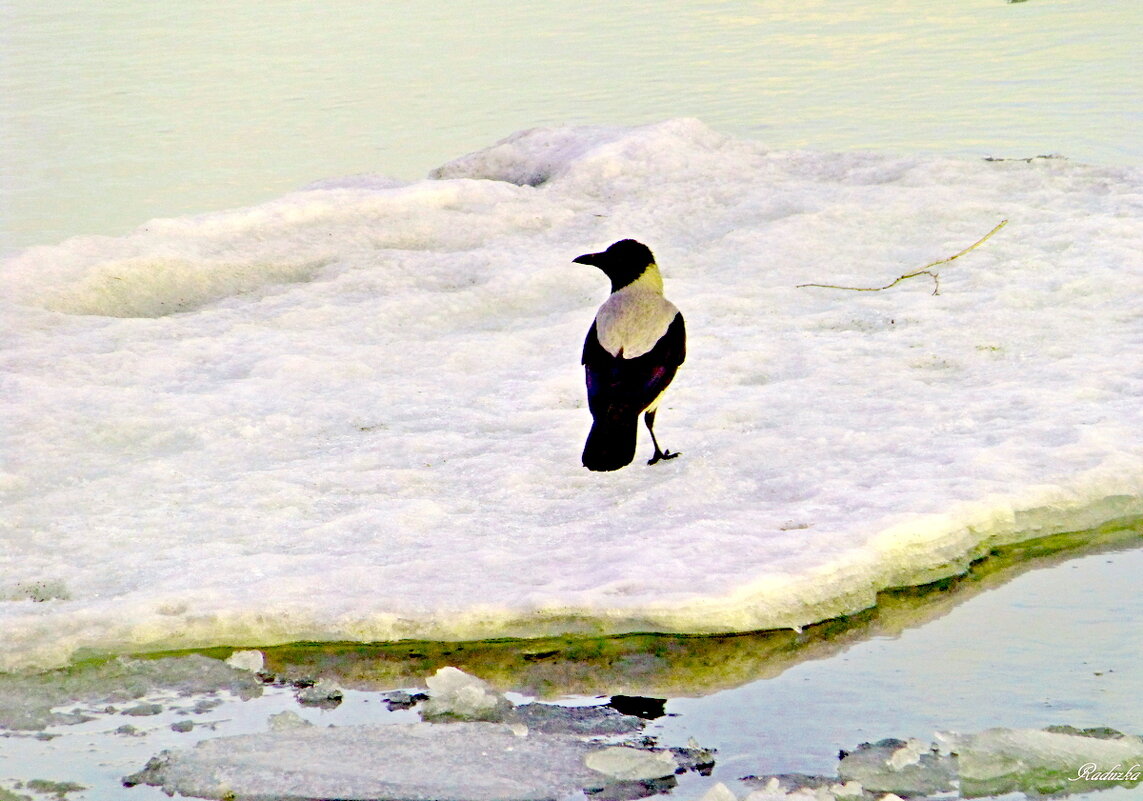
(254, 661)
(632, 764)
(997, 761)
(897, 766)
(143, 710)
(457, 695)
(767, 793)
(908, 754)
(694, 757)
(720, 792)
(287, 721)
(994, 762)
(591, 720)
(475, 761)
(399, 699)
(800, 786)
(324, 694)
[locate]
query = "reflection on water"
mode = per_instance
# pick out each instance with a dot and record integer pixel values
(679, 666)
(114, 113)
(1033, 636)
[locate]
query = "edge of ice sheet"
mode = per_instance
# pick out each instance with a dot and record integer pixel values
(219, 441)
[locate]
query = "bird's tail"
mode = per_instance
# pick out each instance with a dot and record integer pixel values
(611, 443)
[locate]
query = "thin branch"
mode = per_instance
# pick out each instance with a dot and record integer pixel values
(926, 270)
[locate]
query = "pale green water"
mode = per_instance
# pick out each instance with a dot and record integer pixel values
(114, 113)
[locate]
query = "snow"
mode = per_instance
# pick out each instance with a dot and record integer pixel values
(631, 764)
(1000, 760)
(355, 412)
(989, 763)
(415, 761)
(454, 694)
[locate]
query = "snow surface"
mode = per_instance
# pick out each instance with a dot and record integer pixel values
(356, 412)
(417, 761)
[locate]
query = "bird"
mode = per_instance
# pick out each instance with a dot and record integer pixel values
(631, 354)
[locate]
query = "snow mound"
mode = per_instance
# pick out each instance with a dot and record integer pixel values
(355, 413)
(454, 694)
(592, 154)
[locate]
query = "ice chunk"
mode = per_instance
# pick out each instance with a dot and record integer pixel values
(477, 761)
(898, 766)
(994, 762)
(254, 661)
(800, 786)
(595, 720)
(143, 710)
(720, 792)
(324, 694)
(695, 757)
(769, 791)
(908, 754)
(287, 721)
(399, 699)
(454, 694)
(997, 761)
(632, 764)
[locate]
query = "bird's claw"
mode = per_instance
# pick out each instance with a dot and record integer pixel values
(660, 455)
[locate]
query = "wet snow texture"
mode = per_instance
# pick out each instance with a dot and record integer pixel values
(355, 413)
(474, 761)
(482, 747)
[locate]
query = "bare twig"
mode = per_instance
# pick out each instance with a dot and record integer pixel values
(926, 270)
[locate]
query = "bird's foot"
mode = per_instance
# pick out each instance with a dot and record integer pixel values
(660, 455)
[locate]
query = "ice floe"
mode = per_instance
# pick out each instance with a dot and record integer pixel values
(354, 413)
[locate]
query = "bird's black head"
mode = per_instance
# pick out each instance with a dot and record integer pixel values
(623, 262)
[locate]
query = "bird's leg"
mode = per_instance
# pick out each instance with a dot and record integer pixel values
(649, 419)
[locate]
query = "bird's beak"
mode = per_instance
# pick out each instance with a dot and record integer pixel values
(588, 258)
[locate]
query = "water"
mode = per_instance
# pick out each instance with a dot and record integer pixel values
(114, 113)
(1023, 641)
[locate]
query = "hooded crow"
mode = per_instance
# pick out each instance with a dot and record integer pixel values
(632, 351)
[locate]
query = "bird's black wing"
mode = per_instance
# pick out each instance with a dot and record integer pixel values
(617, 386)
